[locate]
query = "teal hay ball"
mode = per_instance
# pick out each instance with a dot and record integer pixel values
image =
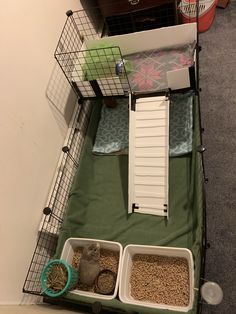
(57, 278)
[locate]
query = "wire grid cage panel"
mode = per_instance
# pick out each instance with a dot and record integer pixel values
(149, 156)
(67, 64)
(97, 61)
(112, 86)
(115, 18)
(50, 225)
(44, 251)
(69, 41)
(77, 73)
(90, 22)
(72, 63)
(68, 46)
(97, 64)
(69, 160)
(79, 25)
(159, 16)
(85, 89)
(57, 193)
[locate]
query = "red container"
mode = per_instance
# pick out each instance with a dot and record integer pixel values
(206, 12)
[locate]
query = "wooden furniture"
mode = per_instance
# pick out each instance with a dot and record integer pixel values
(125, 16)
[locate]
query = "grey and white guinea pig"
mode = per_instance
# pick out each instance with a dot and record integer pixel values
(91, 251)
(89, 265)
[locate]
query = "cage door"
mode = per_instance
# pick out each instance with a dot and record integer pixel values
(149, 155)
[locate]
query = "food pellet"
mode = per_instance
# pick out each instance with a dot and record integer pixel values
(160, 279)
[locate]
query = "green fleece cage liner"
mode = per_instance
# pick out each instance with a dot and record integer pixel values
(186, 173)
(90, 215)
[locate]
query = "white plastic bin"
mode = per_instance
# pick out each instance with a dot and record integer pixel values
(125, 289)
(67, 254)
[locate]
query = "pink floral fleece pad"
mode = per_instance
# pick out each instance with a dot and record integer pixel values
(148, 68)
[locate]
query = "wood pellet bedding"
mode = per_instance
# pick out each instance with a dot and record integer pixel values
(108, 260)
(160, 279)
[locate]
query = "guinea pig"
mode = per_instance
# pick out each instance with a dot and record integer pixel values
(89, 266)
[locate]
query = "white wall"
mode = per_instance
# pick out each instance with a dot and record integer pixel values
(31, 135)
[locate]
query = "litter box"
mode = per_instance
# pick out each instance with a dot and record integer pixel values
(125, 285)
(72, 244)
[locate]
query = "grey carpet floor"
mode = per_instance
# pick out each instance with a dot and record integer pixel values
(218, 100)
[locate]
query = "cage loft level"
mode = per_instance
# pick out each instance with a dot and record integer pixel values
(91, 67)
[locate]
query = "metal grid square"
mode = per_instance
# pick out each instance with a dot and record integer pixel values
(111, 86)
(85, 89)
(56, 205)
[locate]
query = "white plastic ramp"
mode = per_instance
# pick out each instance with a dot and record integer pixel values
(149, 155)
